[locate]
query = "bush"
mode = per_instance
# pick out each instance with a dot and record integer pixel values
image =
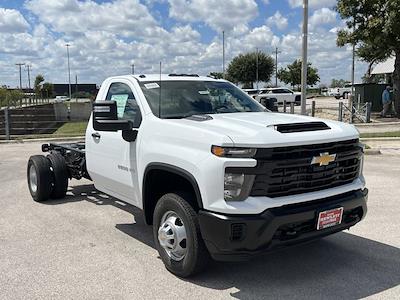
(10, 97)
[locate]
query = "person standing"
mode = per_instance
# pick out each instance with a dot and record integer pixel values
(386, 102)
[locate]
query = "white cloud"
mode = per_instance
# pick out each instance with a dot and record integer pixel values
(313, 3)
(322, 16)
(107, 37)
(12, 21)
(278, 21)
(219, 15)
(122, 17)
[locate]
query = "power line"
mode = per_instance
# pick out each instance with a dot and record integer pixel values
(20, 75)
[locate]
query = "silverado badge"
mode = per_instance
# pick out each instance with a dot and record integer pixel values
(323, 159)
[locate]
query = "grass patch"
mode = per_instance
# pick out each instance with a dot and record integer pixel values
(71, 129)
(380, 134)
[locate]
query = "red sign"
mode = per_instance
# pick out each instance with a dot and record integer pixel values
(330, 218)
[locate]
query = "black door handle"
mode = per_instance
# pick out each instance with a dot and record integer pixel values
(96, 135)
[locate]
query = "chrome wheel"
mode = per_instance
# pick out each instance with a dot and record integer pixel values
(172, 236)
(33, 178)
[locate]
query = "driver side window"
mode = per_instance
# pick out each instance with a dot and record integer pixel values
(127, 108)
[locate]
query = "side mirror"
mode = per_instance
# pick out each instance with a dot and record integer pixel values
(105, 117)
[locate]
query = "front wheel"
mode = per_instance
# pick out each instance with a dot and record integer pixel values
(177, 236)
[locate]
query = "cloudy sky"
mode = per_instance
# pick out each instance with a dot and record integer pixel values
(106, 37)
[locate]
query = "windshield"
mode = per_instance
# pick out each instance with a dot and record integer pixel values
(181, 99)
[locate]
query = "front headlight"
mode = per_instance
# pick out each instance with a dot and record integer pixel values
(233, 152)
(360, 173)
(237, 186)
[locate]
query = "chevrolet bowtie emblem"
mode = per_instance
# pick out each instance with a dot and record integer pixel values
(323, 159)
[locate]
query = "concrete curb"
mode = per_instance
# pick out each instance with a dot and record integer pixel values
(375, 124)
(372, 152)
(44, 140)
(388, 139)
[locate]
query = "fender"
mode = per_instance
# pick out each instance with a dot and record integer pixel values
(176, 170)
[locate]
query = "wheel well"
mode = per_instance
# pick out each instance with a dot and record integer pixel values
(161, 180)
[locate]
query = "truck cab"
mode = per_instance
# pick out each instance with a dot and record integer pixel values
(216, 174)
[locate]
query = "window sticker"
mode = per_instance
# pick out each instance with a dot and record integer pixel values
(121, 103)
(204, 92)
(153, 85)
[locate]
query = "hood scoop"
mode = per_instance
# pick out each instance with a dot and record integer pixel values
(301, 127)
(200, 118)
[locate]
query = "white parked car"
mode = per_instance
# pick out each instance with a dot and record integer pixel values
(215, 174)
(280, 94)
(252, 92)
(61, 98)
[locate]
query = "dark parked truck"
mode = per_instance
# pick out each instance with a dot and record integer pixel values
(215, 173)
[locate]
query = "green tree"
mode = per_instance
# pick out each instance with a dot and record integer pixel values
(243, 68)
(374, 27)
(216, 75)
(339, 83)
(47, 90)
(38, 84)
(292, 74)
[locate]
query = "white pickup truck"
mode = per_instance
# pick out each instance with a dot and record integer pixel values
(280, 94)
(215, 173)
(340, 92)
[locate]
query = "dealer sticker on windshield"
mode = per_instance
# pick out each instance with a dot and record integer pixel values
(329, 218)
(153, 85)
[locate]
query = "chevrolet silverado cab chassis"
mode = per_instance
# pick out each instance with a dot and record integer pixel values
(215, 173)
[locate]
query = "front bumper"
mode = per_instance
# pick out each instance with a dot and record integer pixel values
(238, 237)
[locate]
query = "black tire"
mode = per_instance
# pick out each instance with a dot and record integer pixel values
(40, 166)
(197, 256)
(60, 176)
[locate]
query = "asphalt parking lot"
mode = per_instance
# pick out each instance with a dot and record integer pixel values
(91, 246)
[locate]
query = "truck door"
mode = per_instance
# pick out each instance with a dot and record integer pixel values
(111, 161)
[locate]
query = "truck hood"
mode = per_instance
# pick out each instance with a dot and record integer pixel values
(258, 129)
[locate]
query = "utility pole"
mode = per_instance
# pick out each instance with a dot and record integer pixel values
(223, 54)
(304, 59)
(133, 69)
(69, 72)
(257, 68)
(351, 98)
(276, 66)
(28, 68)
(20, 75)
(76, 86)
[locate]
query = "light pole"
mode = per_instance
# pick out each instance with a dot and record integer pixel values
(257, 68)
(69, 72)
(304, 59)
(133, 69)
(223, 54)
(276, 66)
(20, 76)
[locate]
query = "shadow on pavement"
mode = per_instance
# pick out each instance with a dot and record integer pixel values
(340, 266)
